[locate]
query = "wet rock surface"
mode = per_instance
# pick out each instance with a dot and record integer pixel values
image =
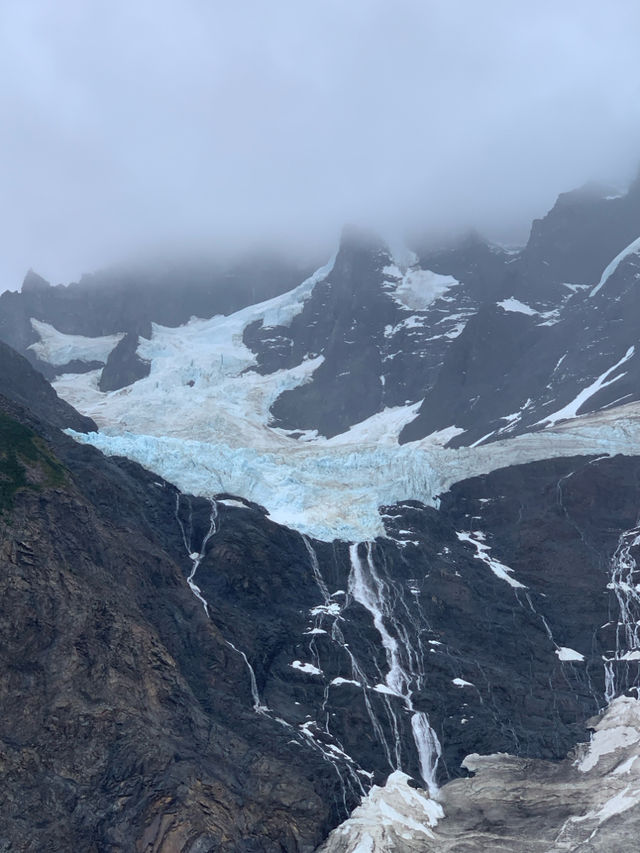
(492, 663)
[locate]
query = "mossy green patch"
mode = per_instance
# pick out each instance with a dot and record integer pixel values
(25, 462)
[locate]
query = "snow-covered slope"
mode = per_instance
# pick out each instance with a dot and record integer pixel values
(58, 349)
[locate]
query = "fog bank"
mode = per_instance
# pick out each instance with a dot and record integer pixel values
(130, 126)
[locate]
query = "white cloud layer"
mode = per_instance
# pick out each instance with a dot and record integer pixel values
(133, 124)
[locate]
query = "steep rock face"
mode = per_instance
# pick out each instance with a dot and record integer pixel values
(124, 366)
(501, 601)
(383, 332)
(584, 230)
(257, 669)
(474, 381)
(485, 268)
(538, 355)
(210, 662)
(22, 384)
(127, 721)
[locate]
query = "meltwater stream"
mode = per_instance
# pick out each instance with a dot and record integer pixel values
(349, 774)
(383, 598)
(196, 558)
(378, 595)
(622, 666)
(385, 702)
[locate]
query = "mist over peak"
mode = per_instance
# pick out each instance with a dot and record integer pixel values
(186, 126)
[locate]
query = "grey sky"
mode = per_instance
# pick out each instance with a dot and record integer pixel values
(127, 125)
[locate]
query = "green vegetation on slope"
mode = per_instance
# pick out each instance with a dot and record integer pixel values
(25, 462)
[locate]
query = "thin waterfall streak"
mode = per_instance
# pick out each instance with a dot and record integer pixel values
(196, 558)
(315, 568)
(258, 706)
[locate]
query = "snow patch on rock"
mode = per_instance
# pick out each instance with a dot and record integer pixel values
(391, 817)
(57, 349)
(416, 288)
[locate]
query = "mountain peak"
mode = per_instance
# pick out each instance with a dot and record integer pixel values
(34, 282)
(355, 237)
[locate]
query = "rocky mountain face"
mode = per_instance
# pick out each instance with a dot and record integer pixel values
(238, 668)
(127, 718)
(382, 333)
(491, 342)
(22, 384)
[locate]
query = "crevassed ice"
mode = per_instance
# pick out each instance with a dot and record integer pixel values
(201, 420)
(333, 491)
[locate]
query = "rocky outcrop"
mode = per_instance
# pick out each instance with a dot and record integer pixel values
(124, 366)
(22, 384)
(588, 803)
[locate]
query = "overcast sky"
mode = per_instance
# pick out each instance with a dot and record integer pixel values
(127, 125)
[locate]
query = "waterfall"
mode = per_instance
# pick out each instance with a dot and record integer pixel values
(379, 597)
(622, 667)
(196, 557)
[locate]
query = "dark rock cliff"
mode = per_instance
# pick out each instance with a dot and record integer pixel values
(24, 385)
(126, 721)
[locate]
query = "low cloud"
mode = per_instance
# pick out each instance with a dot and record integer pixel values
(130, 126)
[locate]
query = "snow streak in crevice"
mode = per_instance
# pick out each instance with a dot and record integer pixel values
(631, 249)
(571, 409)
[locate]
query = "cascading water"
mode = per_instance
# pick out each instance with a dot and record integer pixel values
(332, 610)
(197, 557)
(622, 667)
(380, 597)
